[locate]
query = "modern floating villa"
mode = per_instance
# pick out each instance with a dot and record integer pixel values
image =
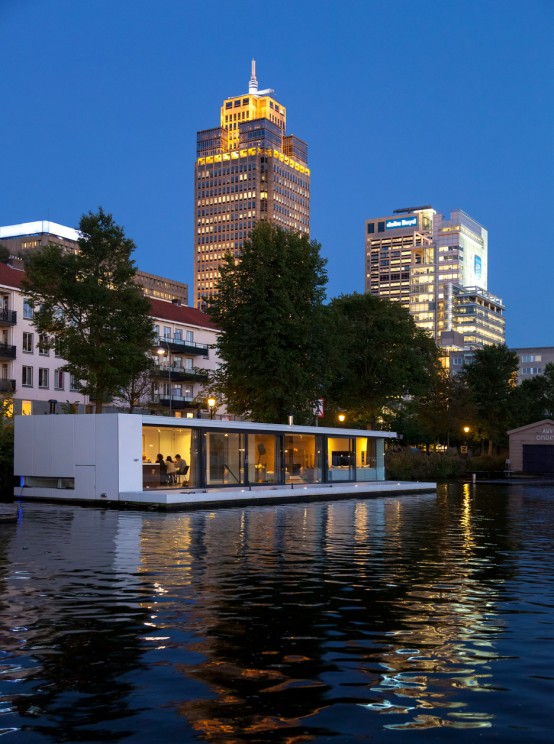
(112, 459)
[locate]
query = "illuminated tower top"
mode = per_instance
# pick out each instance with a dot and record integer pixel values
(256, 104)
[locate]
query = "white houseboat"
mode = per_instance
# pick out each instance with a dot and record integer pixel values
(116, 458)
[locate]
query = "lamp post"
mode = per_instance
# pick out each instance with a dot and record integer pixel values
(211, 406)
(466, 432)
(342, 418)
(165, 352)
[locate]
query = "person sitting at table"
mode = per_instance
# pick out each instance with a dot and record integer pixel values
(163, 469)
(171, 470)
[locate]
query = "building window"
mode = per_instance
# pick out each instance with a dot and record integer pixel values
(167, 332)
(28, 343)
(58, 379)
(74, 384)
(178, 335)
(371, 227)
(43, 345)
(190, 336)
(380, 227)
(57, 347)
(43, 377)
(27, 309)
(26, 407)
(27, 377)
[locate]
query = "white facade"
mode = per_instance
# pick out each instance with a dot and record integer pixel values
(37, 383)
(32, 375)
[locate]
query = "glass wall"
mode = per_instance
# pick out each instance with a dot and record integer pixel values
(234, 458)
(225, 458)
(341, 459)
(366, 464)
(264, 458)
(303, 458)
(170, 441)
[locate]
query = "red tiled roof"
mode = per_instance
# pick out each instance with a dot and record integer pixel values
(180, 313)
(11, 277)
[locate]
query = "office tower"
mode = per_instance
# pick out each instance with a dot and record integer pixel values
(436, 267)
(248, 169)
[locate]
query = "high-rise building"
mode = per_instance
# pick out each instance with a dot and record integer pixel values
(436, 267)
(248, 169)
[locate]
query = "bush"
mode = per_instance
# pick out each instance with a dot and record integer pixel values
(414, 465)
(486, 463)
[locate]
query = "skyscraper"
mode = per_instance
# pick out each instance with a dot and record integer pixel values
(437, 268)
(248, 169)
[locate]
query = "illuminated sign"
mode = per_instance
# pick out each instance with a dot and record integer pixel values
(477, 267)
(401, 222)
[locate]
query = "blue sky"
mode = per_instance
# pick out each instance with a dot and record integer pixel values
(442, 102)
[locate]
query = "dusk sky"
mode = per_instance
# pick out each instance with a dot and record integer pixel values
(441, 102)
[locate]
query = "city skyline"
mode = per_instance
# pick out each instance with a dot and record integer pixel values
(444, 104)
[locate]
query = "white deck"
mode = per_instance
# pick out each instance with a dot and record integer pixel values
(195, 499)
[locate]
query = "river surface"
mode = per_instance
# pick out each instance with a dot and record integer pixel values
(415, 618)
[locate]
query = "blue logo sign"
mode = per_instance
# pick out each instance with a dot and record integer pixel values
(401, 222)
(477, 267)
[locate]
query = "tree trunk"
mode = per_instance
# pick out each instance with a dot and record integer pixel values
(98, 398)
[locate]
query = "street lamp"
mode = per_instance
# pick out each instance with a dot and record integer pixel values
(165, 352)
(211, 406)
(464, 448)
(342, 418)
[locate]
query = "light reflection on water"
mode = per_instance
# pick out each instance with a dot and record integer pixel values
(350, 620)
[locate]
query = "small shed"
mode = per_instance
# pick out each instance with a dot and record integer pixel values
(532, 448)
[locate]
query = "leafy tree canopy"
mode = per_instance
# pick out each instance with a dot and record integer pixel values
(269, 309)
(89, 308)
(491, 380)
(378, 356)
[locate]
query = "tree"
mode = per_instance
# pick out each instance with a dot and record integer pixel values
(138, 391)
(534, 398)
(491, 380)
(379, 356)
(269, 310)
(6, 447)
(89, 308)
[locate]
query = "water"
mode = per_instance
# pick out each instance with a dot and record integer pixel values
(424, 618)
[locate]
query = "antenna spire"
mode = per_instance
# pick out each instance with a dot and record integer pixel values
(253, 83)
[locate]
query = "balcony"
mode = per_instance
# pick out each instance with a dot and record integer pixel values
(178, 402)
(180, 345)
(7, 351)
(8, 317)
(7, 386)
(179, 374)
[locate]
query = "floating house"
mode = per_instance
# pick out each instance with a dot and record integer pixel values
(116, 458)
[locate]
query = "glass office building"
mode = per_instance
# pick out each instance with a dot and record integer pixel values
(247, 169)
(437, 268)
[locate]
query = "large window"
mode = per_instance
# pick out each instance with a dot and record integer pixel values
(58, 379)
(169, 441)
(27, 309)
(43, 377)
(341, 460)
(225, 455)
(264, 463)
(27, 376)
(302, 458)
(28, 343)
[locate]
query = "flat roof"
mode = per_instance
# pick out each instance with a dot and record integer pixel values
(218, 425)
(37, 228)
